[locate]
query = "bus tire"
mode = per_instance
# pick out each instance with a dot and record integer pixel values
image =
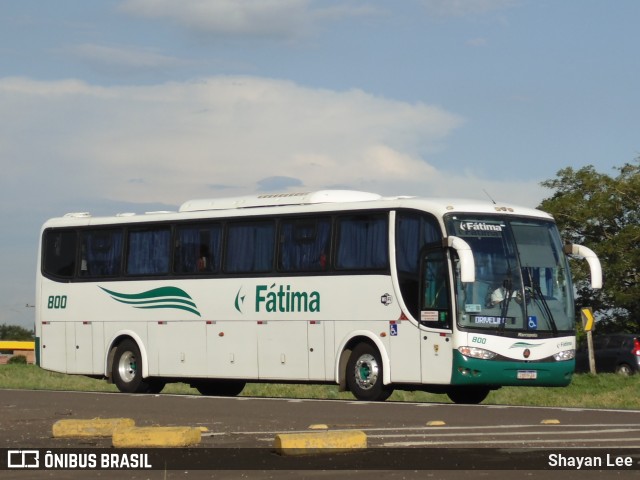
(219, 388)
(127, 368)
(364, 374)
(468, 395)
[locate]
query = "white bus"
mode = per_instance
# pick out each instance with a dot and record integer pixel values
(350, 288)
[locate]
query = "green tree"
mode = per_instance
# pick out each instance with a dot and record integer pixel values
(602, 212)
(14, 332)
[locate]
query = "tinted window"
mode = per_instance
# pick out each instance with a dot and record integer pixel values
(304, 245)
(412, 233)
(149, 251)
(197, 249)
(101, 253)
(60, 253)
(363, 243)
(250, 247)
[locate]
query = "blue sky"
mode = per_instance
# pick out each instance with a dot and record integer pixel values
(132, 105)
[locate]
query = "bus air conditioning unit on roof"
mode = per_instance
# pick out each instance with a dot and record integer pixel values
(278, 199)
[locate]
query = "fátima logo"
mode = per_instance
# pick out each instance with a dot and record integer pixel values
(280, 298)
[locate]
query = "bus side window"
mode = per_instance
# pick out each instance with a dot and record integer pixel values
(148, 252)
(363, 243)
(250, 247)
(197, 249)
(101, 253)
(60, 253)
(304, 245)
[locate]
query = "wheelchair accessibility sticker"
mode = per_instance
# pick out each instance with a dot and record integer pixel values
(393, 329)
(533, 323)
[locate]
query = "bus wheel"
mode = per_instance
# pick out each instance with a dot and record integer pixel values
(219, 388)
(127, 368)
(468, 395)
(364, 374)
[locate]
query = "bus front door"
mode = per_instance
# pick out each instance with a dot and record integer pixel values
(435, 318)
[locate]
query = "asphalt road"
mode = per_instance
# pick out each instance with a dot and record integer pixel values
(398, 434)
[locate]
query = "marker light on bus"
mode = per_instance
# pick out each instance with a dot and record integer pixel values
(475, 352)
(565, 355)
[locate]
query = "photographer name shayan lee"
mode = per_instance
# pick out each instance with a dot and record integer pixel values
(577, 461)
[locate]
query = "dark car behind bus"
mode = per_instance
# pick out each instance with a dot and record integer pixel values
(617, 352)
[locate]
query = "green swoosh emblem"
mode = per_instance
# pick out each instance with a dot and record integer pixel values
(525, 345)
(163, 297)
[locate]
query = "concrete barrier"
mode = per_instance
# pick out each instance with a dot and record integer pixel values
(319, 442)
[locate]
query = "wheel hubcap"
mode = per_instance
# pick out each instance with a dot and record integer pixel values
(127, 367)
(366, 371)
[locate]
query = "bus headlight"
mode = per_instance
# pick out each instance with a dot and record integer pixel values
(565, 355)
(475, 352)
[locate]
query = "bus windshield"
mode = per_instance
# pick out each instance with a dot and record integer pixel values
(522, 278)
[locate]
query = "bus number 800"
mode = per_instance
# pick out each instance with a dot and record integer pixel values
(57, 302)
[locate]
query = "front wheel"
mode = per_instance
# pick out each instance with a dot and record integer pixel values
(127, 368)
(468, 395)
(364, 374)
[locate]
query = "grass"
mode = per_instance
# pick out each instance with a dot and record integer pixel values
(586, 390)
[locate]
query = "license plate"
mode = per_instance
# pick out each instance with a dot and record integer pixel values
(527, 374)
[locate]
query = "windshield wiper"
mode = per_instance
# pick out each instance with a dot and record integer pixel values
(504, 306)
(538, 295)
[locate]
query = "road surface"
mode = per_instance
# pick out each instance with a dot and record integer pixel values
(426, 438)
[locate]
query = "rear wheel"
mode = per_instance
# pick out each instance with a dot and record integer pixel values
(127, 368)
(468, 395)
(364, 374)
(220, 388)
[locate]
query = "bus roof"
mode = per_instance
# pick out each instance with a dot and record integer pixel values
(303, 202)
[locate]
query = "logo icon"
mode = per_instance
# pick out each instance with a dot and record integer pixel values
(386, 299)
(23, 458)
(239, 300)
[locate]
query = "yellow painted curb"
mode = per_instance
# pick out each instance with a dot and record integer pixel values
(550, 421)
(318, 426)
(319, 442)
(96, 427)
(436, 423)
(156, 437)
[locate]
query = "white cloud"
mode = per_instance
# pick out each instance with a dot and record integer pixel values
(253, 18)
(172, 141)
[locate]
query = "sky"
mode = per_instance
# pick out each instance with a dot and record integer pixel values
(138, 105)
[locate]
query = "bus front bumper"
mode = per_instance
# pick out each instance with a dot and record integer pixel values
(474, 371)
